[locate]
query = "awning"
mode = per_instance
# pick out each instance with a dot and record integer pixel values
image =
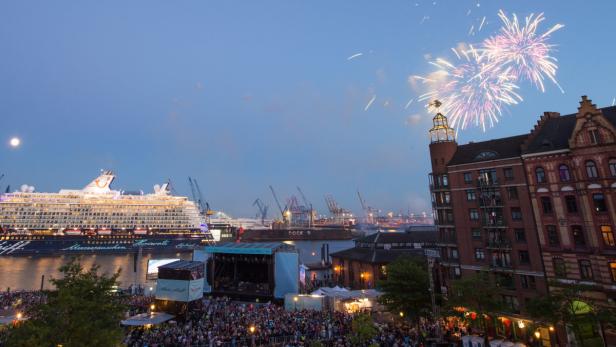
(142, 319)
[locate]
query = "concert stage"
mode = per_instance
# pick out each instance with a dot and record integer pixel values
(248, 271)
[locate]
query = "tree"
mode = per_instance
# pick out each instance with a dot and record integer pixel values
(476, 294)
(407, 288)
(567, 305)
(81, 311)
(362, 329)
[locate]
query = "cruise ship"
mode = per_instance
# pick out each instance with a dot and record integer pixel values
(98, 219)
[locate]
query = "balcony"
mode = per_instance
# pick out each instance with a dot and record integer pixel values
(498, 243)
(447, 239)
(500, 264)
(497, 221)
(490, 202)
(483, 182)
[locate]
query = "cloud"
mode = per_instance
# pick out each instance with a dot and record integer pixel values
(413, 119)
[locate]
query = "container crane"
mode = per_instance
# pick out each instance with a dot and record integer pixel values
(262, 209)
(204, 206)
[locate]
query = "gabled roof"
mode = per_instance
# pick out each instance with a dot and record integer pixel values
(554, 133)
(507, 147)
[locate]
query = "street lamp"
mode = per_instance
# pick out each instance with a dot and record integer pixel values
(252, 329)
(401, 314)
(152, 307)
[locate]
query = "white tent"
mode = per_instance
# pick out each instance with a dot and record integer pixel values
(142, 319)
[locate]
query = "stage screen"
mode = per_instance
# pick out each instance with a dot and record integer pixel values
(153, 265)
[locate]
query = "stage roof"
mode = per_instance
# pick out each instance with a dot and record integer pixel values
(141, 319)
(248, 248)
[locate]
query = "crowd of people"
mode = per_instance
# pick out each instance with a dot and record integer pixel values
(220, 322)
(19, 301)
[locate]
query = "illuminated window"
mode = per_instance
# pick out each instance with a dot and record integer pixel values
(608, 235)
(613, 270)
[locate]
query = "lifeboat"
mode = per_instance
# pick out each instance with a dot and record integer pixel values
(72, 231)
(140, 231)
(104, 231)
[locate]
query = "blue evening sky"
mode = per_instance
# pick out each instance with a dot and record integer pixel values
(241, 95)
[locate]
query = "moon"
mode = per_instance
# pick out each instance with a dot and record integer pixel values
(15, 142)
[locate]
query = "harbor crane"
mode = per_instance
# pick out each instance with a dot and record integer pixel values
(262, 209)
(204, 206)
(339, 214)
(369, 211)
(278, 203)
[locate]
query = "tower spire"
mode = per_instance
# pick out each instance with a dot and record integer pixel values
(441, 131)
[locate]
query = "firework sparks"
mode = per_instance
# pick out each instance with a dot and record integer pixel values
(471, 31)
(408, 104)
(523, 49)
(482, 23)
(355, 56)
(470, 93)
(613, 101)
(370, 103)
(425, 18)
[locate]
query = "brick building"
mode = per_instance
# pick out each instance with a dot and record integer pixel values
(570, 163)
(530, 208)
(362, 266)
(483, 212)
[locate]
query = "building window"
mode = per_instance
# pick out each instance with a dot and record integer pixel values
(479, 254)
(546, 204)
(553, 239)
(578, 236)
(540, 175)
(512, 193)
(454, 253)
(473, 214)
(585, 270)
(523, 257)
(594, 136)
(508, 173)
(608, 235)
(470, 195)
(599, 202)
(476, 233)
(524, 281)
(468, 178)
(560, 270)
(516, 213)
(520, 235)
(564, 173)
(612, 165)
(591, 169)
(571, 204)
(613, 270)
(445, 181)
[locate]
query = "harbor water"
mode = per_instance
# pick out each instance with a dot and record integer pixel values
(27, 273)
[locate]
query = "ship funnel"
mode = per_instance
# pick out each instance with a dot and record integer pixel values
(161, 189)
(101, 183)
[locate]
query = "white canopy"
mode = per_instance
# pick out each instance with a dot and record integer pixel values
(147, 318)
(343, 293)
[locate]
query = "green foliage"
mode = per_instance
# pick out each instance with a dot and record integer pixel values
(477, 293)
(407, 288)
(566, 304)
(362, 329)
(82, 311)
(316, 344)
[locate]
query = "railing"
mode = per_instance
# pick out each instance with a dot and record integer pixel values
(499, 263)
(496, 221)
(498, 242)
(487, 182)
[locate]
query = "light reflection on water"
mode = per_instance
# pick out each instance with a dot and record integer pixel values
(25, 272)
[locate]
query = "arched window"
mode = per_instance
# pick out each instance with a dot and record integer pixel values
(564, 173)
(591, 169)
(612, 165)
(540, 175)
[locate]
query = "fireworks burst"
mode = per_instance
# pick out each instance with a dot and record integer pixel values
(470, 92)
(525, 50)
(477, 89)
